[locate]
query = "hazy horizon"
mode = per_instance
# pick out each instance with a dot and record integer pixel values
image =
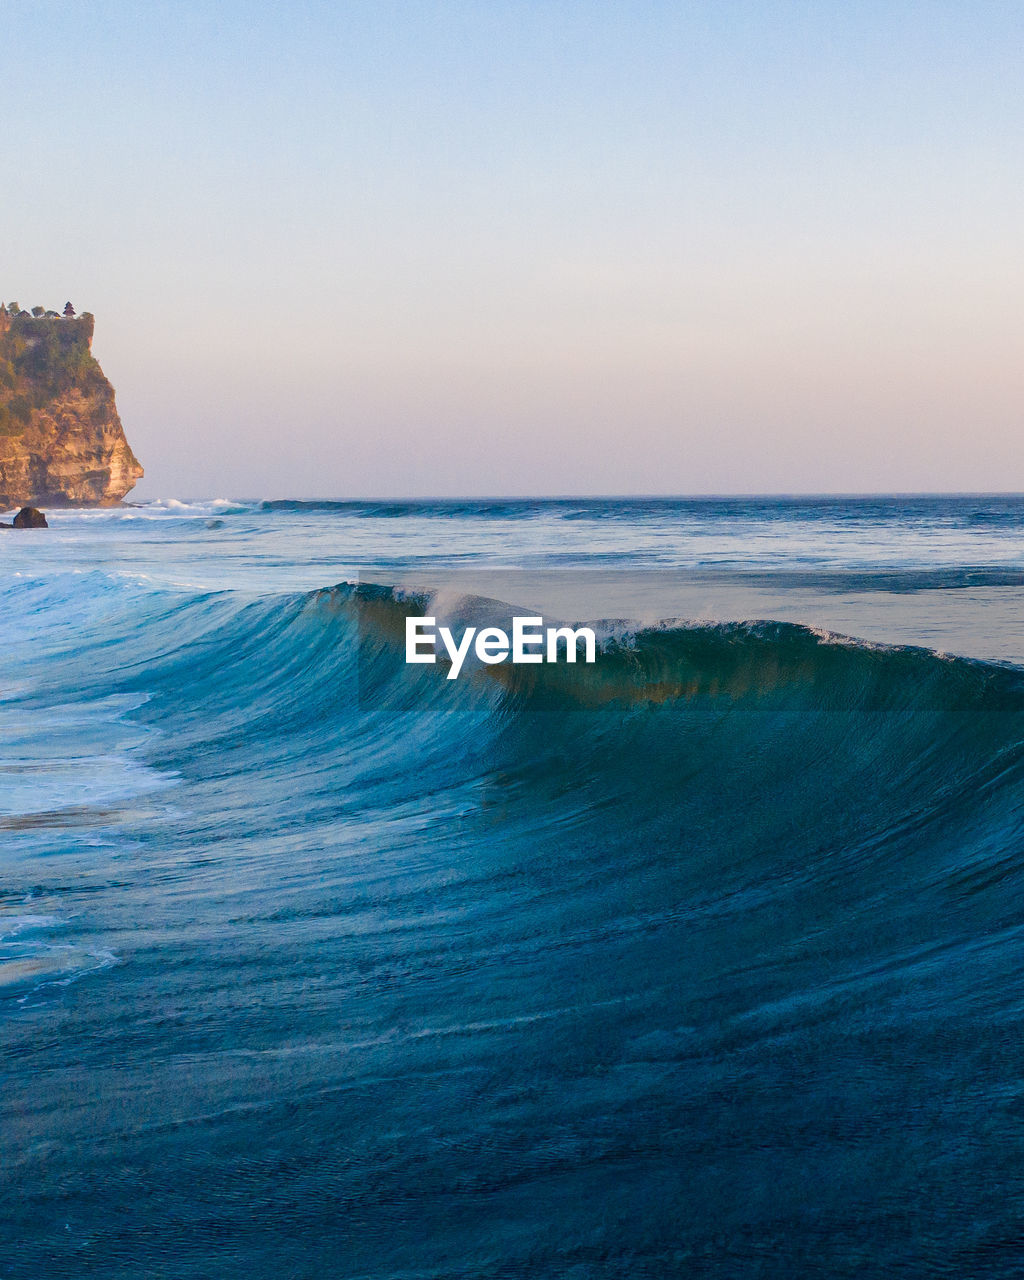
(401, 250)
(538, 496)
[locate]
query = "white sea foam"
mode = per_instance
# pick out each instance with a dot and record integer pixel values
(12, 926)
(73, 758)
(30, 963)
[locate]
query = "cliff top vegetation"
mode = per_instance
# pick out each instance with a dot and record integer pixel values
(43, 355)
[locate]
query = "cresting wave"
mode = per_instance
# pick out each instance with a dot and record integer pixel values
(334, 658)
(559, 957)
(129, 636)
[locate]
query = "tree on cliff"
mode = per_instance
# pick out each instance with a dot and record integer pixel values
(69, 310)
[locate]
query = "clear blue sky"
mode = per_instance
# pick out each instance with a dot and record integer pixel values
(484, 248)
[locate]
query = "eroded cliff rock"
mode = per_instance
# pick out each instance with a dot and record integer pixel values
(61, 440)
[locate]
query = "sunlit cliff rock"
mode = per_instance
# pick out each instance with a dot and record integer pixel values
(61, 440)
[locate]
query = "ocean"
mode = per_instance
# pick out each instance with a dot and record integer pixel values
(705, 960)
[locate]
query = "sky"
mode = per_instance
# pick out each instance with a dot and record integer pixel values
(502, 247)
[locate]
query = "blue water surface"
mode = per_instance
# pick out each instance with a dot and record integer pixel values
(704, 961)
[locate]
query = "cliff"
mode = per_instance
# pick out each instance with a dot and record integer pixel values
(61, 441)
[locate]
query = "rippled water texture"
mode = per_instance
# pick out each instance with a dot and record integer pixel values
(706, 960)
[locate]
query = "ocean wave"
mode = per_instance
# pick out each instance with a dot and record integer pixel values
(696, 935)
(127, 631)
(307, 676)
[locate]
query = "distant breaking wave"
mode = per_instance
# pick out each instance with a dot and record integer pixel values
(962, 512)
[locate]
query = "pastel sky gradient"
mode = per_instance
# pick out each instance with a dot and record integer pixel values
(524, 247)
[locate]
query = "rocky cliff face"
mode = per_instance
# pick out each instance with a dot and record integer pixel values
(61, 441)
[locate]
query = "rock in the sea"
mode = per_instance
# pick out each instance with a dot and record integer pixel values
(61, 441)
(30, 518)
